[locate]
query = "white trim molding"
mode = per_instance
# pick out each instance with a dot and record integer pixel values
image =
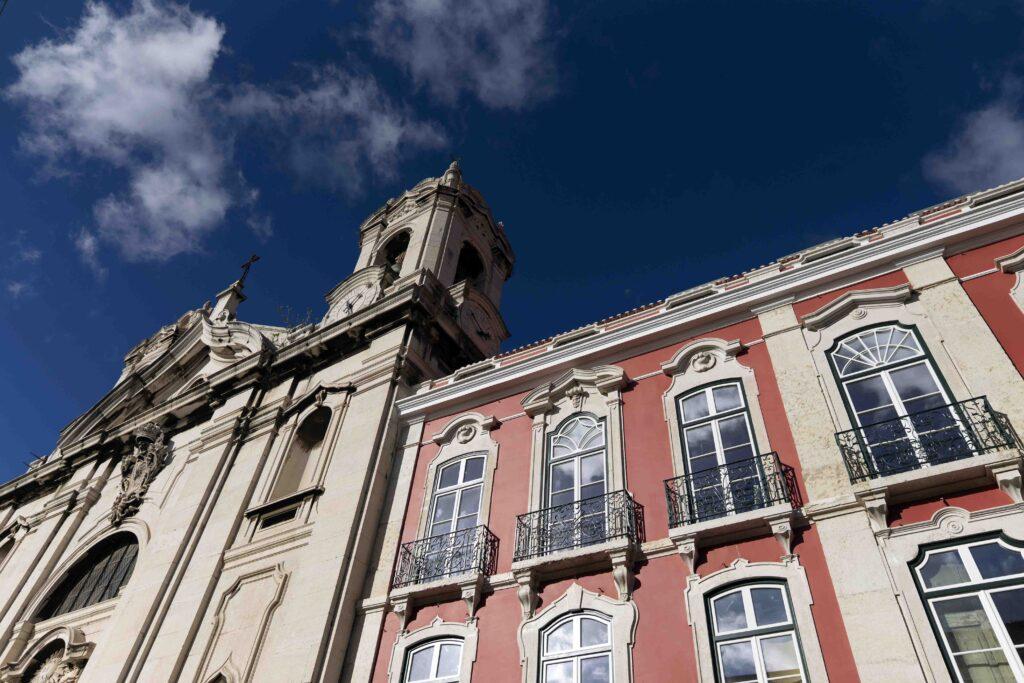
(623, 616)
(408, 640)
(1014, 264)
(789, 571)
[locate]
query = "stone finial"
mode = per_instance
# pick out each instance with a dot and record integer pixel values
(453, 176)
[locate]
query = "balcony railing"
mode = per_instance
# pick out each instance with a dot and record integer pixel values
(575, 525)
(930, 437)
(730, 489)
(460, 552)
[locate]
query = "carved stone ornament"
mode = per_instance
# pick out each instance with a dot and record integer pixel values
(578, 394)
(67, 672)
(138, 469)
(704, 361)
(858, 314)
(465, 433)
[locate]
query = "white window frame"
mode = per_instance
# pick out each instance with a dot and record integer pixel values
(713, 418)
(436, 646)
(758, 633)
(578, 653)
(979, 587)
(576, 456)
(458, 489)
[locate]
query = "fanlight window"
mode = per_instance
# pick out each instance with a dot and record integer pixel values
(439, 661)
(577, 460)
(975, 598)
(577, 649)
(97, 577)
(299, 467)
(875, 348)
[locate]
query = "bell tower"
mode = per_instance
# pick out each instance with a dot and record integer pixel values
(439, 233)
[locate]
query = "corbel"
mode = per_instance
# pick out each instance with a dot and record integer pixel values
(622, 572)
(782, 530)
(526, 589)
(1008, 478)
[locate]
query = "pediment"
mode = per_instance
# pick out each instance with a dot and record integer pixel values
(603, 378)
(851, 301)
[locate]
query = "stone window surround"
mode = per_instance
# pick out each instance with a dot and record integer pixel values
(1014, 263)
(334, 397)
(597, 391)
(467, 434)
(701, 363)
(76, 652)
(621, 615)
(901, 547)
(865, 308)
(789, 571)
(435, 630)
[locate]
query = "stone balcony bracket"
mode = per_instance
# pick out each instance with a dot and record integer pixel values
(778, 519)
(468, 587)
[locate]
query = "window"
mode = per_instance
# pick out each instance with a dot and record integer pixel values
(754, 637)
(451, 546)
(436, 662)
(97, 577)
(975, 599)
(577, 649)
(470, 266)
(719, 451)
(299, 467)
(576, 482)
(895, 396)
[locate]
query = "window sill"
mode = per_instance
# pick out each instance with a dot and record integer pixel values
(574, 558)
(274, 505)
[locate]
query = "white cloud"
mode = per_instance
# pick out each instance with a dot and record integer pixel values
(336, 130)
(17, 289)
(128, 90)
(88, 249)
(986, 150)
(497, 50)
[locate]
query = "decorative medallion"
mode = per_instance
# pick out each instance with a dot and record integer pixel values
(138, 469)
(704, 361)
(858, 314)
(465, 433)
(578, 394)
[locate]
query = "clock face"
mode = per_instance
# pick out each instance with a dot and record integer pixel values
(479, 322)
(359, 298)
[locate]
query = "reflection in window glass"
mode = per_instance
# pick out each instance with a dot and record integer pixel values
(755, 640)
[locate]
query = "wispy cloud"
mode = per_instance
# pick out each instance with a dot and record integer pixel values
(16, 289)
(88, 249)
(499, 51)
(337, 129)
(987, 147)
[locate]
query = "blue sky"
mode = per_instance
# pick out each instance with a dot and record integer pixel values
(632, 150)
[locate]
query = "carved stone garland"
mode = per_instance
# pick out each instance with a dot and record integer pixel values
(138, 469)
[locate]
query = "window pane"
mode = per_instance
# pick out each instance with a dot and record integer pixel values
(469, 503)
(419, 666)
(769, 606)
(450, 660)
(474, 469)
(867, 394)
(726, 398)
(595, 670)
(965, 624)
(985, 667)
(943, 569)
(733, 431)
(994, 560)
(593, 632)
(700, 441)
(738, 662)
(561, 639)
(914, 381)
(695, 407)
(1010, 605)
(592, 469)
(444, 507)
(729, 614)
(558, 673)
(563, 476)
(780, 660)
(449, 476)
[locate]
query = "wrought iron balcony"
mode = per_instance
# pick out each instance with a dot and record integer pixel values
(575, 525)
(930, 437)
(730, 489)
(460, 552)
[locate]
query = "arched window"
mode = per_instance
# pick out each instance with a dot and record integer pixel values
(577, 482)
(895, 396)
(439, 661)
(577, 649)
(300, 464)
(393, 253)
(97, 577)
(974, 593)
(719, 451)
(470, 266)
(754, 637)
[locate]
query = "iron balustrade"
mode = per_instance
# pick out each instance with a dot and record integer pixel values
(575, 525)
(729, 489)
(931, 437)
(459, 552)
